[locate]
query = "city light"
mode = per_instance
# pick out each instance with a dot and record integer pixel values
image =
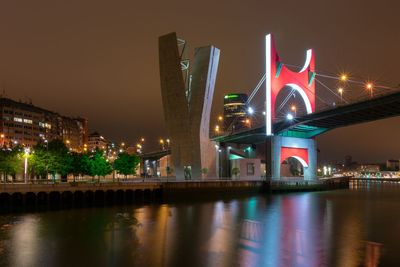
(294, 110)
(250, 110)
(216, 128)
(340, 90)
(142, 139)
(220, 118)
(370, 87)
(343, 77)
(289, 116)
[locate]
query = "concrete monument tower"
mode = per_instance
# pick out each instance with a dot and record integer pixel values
(187, 92)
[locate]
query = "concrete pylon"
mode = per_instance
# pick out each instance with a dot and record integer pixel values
(280, 148)
(187, 106)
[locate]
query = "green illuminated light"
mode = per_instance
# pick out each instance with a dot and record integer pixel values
(231, 96)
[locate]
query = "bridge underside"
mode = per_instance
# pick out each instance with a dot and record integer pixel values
(311, 125)
(302, 130)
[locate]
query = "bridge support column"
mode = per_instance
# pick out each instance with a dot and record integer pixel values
(223, 162)
(280, 148)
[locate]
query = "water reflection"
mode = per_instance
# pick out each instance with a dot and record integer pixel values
(342, 228)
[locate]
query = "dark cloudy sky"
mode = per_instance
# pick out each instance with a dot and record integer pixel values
(99, 59)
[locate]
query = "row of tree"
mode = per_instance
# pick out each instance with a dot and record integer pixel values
(55, 158)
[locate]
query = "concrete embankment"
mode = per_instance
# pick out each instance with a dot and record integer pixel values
(70, 195)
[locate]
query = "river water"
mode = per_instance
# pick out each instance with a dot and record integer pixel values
(335, 228)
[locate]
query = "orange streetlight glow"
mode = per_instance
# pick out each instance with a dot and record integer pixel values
(343, 77)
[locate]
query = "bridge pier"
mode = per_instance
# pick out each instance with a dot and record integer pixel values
(280, 148)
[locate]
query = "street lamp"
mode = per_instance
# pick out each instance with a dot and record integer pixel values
(370, 87)
(293, 108)
(340, 90)
(162, 144)
(220, 118)
(26, 155)
(343, 77)
(216, 129)
(139, 148)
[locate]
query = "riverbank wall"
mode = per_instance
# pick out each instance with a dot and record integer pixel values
(71, 195)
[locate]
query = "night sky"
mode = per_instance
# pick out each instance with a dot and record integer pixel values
(99, 59)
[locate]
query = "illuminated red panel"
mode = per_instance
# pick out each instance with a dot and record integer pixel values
(299, 153)
(278, 76)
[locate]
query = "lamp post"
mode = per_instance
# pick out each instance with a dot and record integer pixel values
(26, 155)
(162, 144)
(340, 90)
(216, 129)
(293, 108)
(370, 87)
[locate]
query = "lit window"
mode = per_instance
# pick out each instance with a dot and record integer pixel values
(17, 119)
(28, 121)
(250, 168)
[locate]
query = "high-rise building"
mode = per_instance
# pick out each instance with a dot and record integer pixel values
(26, 124)
(235, 111)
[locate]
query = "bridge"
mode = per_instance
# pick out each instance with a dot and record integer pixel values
(187, 100)
(314, 124)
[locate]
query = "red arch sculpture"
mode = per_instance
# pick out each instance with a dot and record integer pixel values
(279, 76)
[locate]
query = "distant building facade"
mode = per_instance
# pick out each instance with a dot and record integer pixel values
(235, 111)
(97, 141)
(26, 124)
(393, 164)
(369, 168)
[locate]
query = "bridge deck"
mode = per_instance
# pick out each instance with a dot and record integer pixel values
(314, 124)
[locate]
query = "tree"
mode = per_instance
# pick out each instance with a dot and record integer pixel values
(80, 164)
(204, 171)
(99, 165)
(11, 161)
(60, 158)
(126, 164)
(235, 171)
(53, 158)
